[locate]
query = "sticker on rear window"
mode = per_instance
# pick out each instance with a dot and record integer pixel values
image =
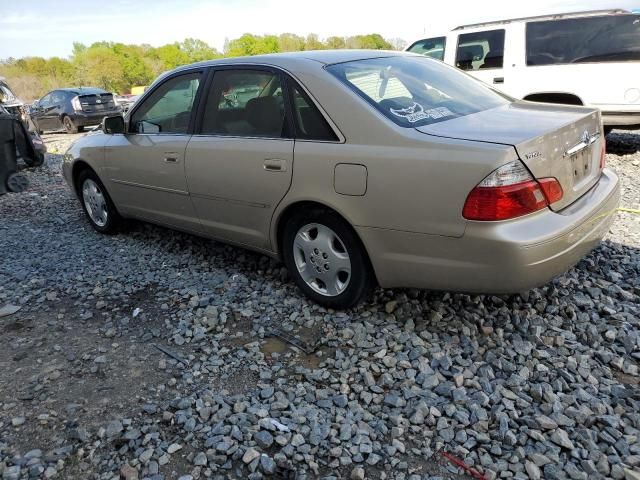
(416, 112)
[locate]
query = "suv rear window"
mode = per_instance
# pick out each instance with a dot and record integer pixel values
(415, 91)
(614, 38)
(430, 47)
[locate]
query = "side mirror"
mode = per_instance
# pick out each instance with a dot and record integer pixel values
(113, 125)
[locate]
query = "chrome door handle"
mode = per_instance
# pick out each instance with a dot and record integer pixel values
(275, 165)
(170, 157)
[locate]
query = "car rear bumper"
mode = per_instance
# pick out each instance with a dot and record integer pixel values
(85, 119)
(624, 120)
(496, 257)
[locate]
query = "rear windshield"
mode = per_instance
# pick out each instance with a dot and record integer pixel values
(614, 38)
(415, 91)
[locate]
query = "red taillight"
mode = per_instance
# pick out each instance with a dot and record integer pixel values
(552, 189)
(509, 192)
(500, 203)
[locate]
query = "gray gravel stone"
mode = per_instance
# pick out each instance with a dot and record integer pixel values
(536, 385)
(263, 439)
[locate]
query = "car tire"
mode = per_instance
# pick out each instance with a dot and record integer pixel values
(97, 204)
(68, 125)
(326, 258)
(607, 130)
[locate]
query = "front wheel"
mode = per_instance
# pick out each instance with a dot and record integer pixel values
(97, 204)
(326, 259)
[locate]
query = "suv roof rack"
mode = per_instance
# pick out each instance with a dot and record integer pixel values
(554, 16)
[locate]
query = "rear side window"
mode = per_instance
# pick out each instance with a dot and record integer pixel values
(413, 91)
(614, 38)
(480, 50)
(309, 122)
(431, 47)
(246, 103)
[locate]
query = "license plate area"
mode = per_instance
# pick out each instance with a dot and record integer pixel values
(581, 165)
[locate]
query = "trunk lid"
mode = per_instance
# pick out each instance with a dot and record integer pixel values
(95, 103)
(557, 141)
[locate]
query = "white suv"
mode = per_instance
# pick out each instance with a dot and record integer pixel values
(588, 58)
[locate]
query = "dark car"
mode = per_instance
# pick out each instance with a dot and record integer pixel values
(72, 109)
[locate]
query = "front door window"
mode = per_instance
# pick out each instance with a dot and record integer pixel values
(169, 108)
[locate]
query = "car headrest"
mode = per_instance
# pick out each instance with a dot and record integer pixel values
(263, 113)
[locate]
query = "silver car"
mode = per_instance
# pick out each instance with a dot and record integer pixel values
(356, 168)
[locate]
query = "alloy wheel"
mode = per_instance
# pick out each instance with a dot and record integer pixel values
(322, 259)
(94, 202)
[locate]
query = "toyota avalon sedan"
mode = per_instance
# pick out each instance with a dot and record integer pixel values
(356, 168)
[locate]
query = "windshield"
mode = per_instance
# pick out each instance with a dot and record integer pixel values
(415, 91)
(614, 38)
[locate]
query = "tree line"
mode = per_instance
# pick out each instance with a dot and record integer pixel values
(117, 66)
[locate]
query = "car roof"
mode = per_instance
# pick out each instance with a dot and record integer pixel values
(324, 57)
(557, 16)
(81, 90)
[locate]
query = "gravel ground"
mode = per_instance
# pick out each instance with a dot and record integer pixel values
(152, 354)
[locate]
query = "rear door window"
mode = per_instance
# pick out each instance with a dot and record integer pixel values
(613, 38)
(246, 103)
(431, 47)
(309, 122)
(480, 50)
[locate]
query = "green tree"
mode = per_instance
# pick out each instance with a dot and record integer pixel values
(118, 66)
(249, 44)
(372, 41)
(313, 43)
(99, 66)
(290, 42)
(335, 42)
(198, 50)
(171, 56)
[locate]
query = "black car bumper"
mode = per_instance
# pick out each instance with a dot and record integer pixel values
(81, 119)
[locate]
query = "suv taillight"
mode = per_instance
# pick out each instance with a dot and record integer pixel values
(75, 103)
(508, 192)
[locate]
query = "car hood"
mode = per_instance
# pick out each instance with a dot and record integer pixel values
(544, 136)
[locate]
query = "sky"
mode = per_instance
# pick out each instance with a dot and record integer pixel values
(48, 28)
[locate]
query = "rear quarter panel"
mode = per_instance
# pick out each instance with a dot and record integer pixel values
(415, 182)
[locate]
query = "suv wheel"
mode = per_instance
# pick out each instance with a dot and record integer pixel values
(69, 126)
(97, 204)
(326, 259)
